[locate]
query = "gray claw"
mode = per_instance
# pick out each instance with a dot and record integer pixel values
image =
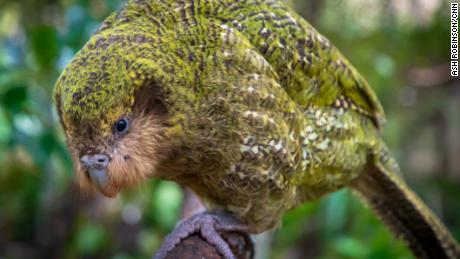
(208, 225)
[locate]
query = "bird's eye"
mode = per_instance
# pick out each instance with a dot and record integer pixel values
(121, 126)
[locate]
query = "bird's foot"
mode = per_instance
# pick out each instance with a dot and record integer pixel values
(210, 226)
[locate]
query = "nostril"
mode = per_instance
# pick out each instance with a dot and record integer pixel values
(96, 161)
(101, 160)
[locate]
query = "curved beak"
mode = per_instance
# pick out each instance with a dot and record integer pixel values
(96, 166)
(98, 178)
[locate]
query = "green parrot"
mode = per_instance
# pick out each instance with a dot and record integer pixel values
(245, 103)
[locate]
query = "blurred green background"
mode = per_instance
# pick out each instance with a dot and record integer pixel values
(400, 46)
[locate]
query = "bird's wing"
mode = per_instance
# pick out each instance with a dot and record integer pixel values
(310, 68)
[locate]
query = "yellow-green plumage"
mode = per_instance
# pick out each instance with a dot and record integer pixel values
(263, 112)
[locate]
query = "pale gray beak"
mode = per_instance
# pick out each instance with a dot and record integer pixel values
(97, 169)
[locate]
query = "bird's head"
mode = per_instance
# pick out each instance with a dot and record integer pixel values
(111, 109)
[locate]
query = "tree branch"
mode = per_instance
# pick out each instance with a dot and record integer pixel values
(195, 246)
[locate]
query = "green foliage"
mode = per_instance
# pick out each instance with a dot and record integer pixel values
(44, 45)
(42, 214)
(166, 201)
(90, 238)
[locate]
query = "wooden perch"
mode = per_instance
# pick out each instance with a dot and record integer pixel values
(195, 246)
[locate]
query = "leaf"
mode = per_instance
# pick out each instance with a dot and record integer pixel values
(90, 238)
(44, 45)
(167, 201)
(350, 247)
(14, 98)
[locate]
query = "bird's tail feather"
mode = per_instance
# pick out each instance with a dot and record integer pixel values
(384, 190)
